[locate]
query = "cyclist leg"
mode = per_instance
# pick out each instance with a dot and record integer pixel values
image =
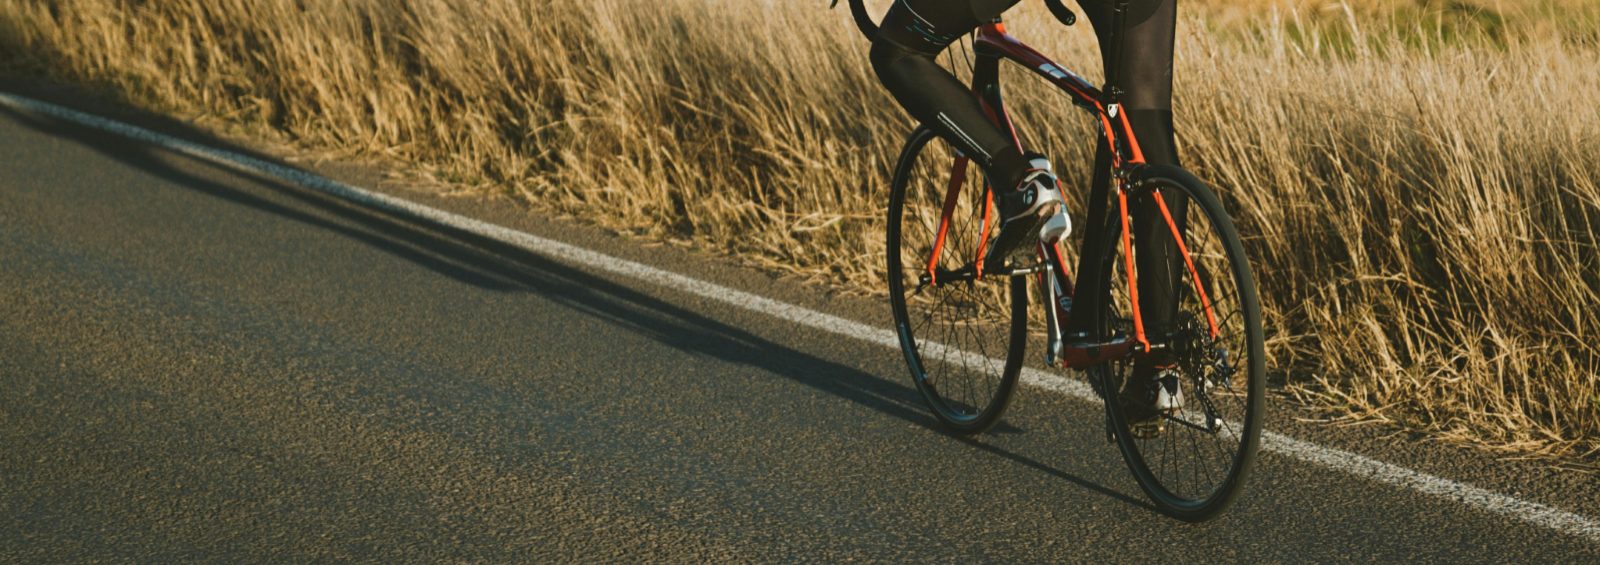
(1144, 70)
(911, 35)
(1146, 76)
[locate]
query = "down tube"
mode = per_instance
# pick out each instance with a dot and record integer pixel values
(986, 84)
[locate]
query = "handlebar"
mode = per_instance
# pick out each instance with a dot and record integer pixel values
(858, 10)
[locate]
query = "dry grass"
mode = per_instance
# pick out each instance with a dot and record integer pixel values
(1418, 187)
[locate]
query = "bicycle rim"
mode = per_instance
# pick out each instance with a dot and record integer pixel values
(1197, 462)
(963, 338)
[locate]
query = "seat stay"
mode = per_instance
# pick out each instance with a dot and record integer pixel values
(1194, 274)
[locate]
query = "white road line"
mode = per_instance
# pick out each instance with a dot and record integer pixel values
(1386, 473)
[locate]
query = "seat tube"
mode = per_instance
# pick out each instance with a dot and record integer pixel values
(1098, 220)
(986, 85)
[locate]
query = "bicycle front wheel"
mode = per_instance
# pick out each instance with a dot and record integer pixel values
(963, 336)
(1194, 455)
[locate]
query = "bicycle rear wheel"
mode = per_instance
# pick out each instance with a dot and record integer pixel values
(1194, 463)
(963, 337)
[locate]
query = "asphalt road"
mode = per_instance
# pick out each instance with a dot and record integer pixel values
(201, 365)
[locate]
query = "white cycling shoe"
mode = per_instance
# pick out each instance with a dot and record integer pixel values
(1032, 213)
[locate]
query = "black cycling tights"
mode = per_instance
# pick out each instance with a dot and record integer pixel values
(914, 32)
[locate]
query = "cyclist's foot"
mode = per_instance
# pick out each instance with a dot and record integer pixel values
(1152, 392)
(1026, 215)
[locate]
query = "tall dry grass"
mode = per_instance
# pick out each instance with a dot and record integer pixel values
(1421, 205)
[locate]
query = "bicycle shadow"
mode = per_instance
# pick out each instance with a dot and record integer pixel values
(500, 267)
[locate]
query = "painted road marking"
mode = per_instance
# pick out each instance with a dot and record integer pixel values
(1354, 464)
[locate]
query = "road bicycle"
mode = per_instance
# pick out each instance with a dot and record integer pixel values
(964, 331)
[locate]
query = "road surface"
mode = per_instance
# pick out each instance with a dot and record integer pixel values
(202, 364)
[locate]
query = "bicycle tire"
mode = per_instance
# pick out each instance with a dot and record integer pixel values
(1212, 412)
(950, 332)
